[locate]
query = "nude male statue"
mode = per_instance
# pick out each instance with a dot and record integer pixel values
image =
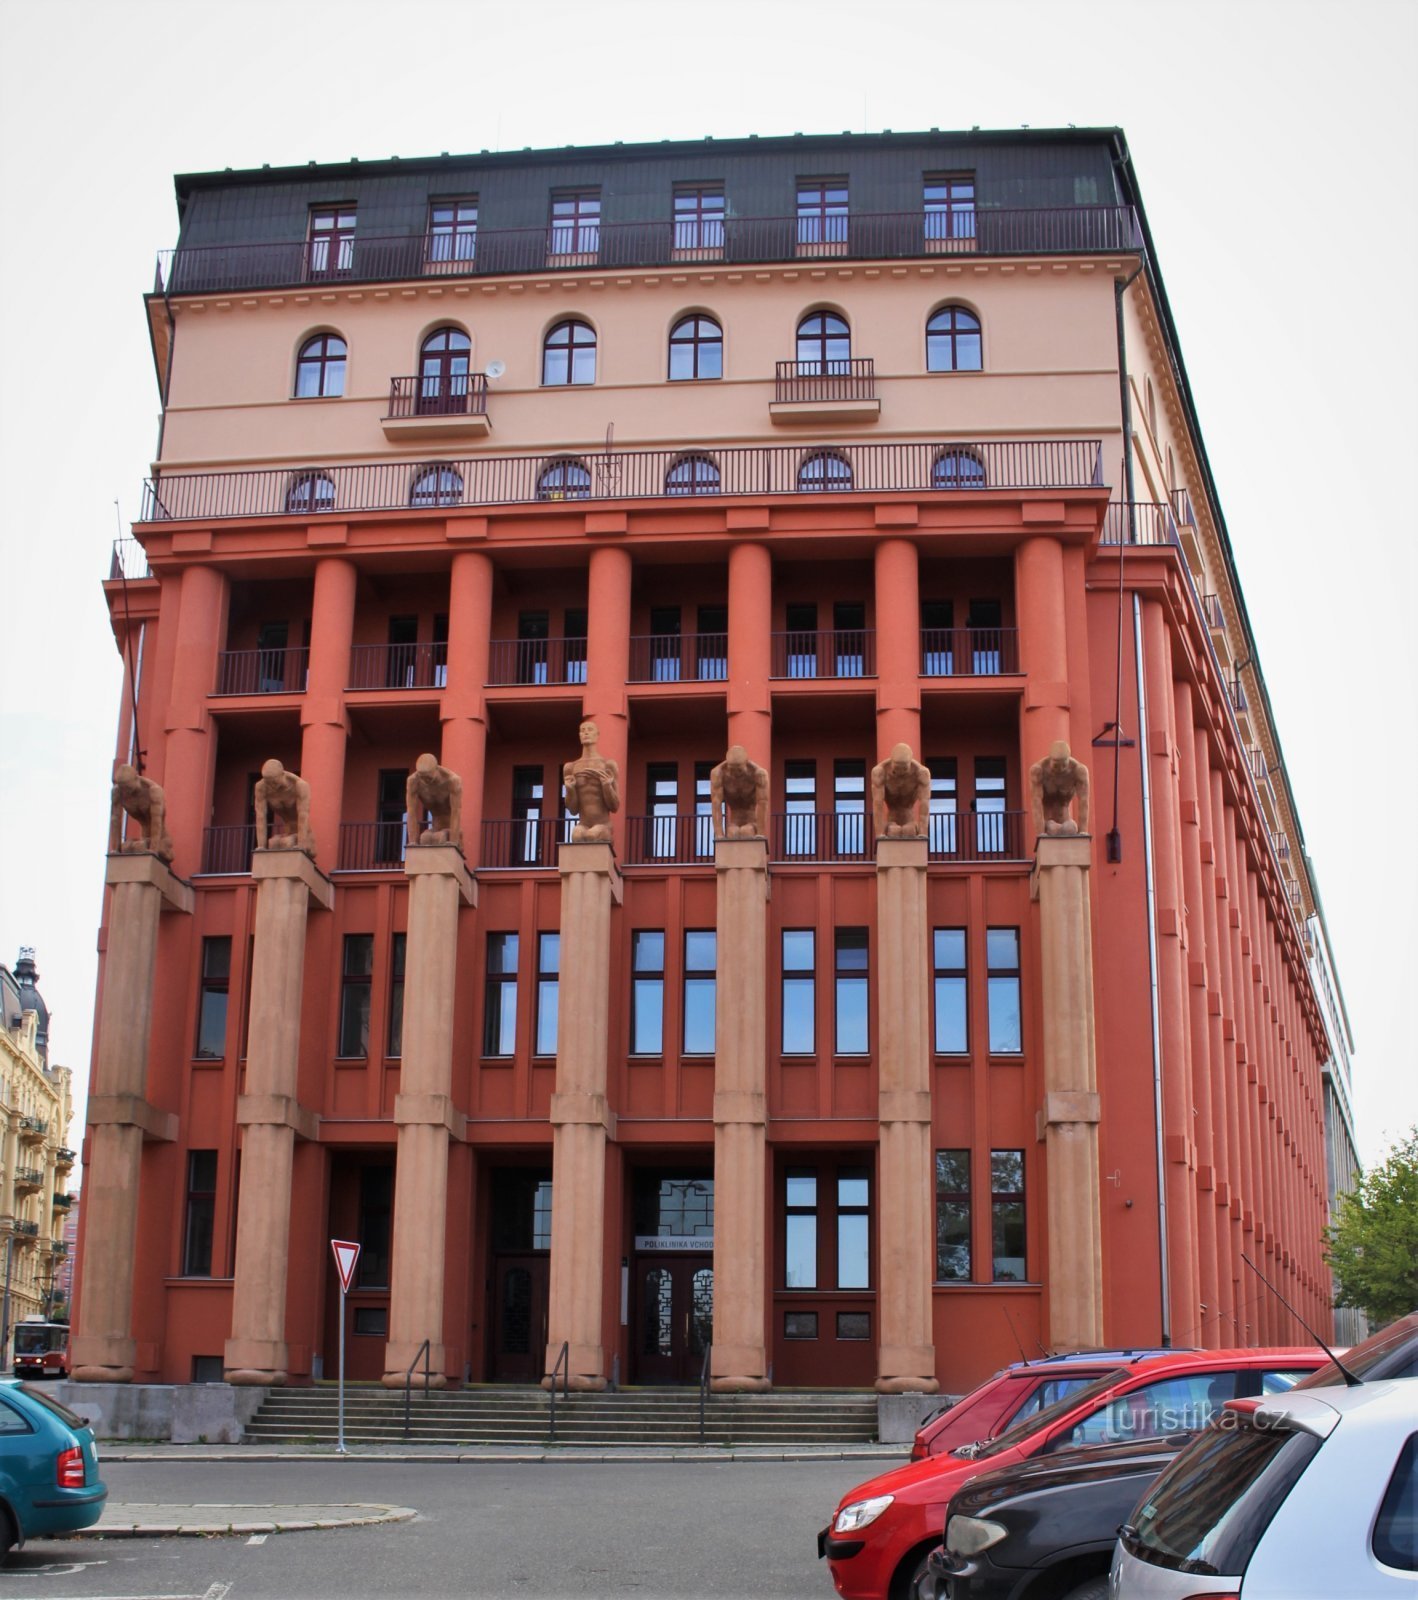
(434, 790)
(591, 788)
(287, 796)
(1054, 784)
(141, 799)
(738, 797)
(901, 796)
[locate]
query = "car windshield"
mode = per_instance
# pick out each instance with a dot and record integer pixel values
(70, 1419)
(1381, 1355)
(1038, 1421)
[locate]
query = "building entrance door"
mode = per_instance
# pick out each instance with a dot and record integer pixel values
(674, 1317)
(519, 1331)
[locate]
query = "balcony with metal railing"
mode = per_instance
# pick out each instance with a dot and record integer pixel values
(825, 391)
(523, 844)
(63, 1157)
(684, 841)
(1281, 845)
(398, 666)
(28, 1178)
(679, 658)
(62, 1202)
(1211, 610)
(1148, 522)
(437, 405)
(32, 1130)
(372, 846)
(25, 1230)
(969, 652)
(227, 850)
(280, 671)
(1236, 694)
(824, 653)
(536, 661)
(847, 837)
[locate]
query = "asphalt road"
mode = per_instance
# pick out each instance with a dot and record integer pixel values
(547, 1531)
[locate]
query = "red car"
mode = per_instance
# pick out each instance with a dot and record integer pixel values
(883, 1530)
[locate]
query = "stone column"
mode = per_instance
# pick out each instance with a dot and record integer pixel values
(287, 881)
(119, 1115)
(1043, 643)
(464, 700)
(905, 1226)
(324, 722)
(1070, 1111)
(581, 1117)
(739, 1359)
(751, 651)
(189, 756)
(604, 702)
(898, 645)
(423, 1110)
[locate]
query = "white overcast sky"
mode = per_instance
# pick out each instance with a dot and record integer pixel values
(1275, 147)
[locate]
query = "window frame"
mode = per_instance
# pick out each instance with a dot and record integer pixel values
(825, 472)
(847, 978)
(804, 976)
(943, 972)
(394, 1024)
(707, 221)
(945, 215)
(555, 479)
(651, 980)
(1002, 1200)
(335, 241)
(355, 986)
(964, 1200)
(819, 341)
(699, 345)
(316, 355)
(581, 226)
(445, 485)
(823, 219)
(211, 985)
(497, 980)
(694, 473)
(199, 1203)
(697, 978)
(548, 992)
(567, 350)
(962, 325)
(455, 231)
(1001, 975)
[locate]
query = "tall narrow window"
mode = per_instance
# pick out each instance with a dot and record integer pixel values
(952, 1034)
(527, 804)
(937, 643)
(712, 644)
(444, 361)
(852, 1029)
(397, 946)
(376, 1209)
(548, 991)
(984, 620)
(822, 211)
(799, 992)
(801, 621)
(332, 241)
(1007, 1215)
(389, 822)
(575, 653)
(700, 961)
(853, 1244)
(575, 222)
(703, 809)
(662, 802)
(500, 1002)
(452, 230)
(699, 218)
(320, 368)
(696, 349)
(800, 1244)
(989, 801)
(569, 356)
(943, 839)
(1002, 962)
(212, 1003)
(647, 992)
(201, 1213)
(849, 637)
(357, 978)
(849, 805)
(952, 1216)
(665, 644)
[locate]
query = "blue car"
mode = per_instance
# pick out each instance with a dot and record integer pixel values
(49, 1480)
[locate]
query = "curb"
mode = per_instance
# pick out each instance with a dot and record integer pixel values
(165, 1522)
(573, 1455)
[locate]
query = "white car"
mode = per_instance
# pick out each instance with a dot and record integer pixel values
(1310, 1495)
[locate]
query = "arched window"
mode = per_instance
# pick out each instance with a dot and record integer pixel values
(696, 349)
(436, 486)
(311, 491)
(443, 372)
(825, 470)
(569, 354)
(692, 475)
(953, 341)
(958, 469)
(320, 367)
(567, 479)
(824, 345)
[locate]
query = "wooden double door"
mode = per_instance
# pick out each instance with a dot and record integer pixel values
(674, 1317)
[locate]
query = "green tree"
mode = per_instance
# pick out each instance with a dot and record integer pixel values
(1373, 1241)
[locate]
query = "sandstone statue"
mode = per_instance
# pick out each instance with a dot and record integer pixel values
(141, 799)
(433, 791)
(591, 789)
(738, 792)
(1055, 783)
(286, 795)
(901, 796)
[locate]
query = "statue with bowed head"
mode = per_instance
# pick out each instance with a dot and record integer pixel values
(282, 804)
(1055, 784)
(434, 794)
(142, 799)
(901, 796)
(591, 789)
(738, 794)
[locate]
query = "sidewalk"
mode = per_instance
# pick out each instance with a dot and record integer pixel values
(122, 1450)
(140, 1521)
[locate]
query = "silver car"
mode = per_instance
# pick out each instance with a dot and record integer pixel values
(1310, 1495)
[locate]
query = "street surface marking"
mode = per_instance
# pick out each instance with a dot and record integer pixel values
(257, 1538)
(218, 1591)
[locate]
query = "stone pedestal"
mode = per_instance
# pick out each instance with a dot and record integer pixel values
(287, 882)
(905, 1210)
(739, 1359)
(1069, 1115)
(119, 1115)
(438, 884)
(580, 1115)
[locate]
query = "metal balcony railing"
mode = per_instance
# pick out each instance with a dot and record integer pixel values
(25, 1229)
(827, 836)
(457, 394)
(129, 561)
(371, 846)
(227, 850)
(978, 836)
(28, 1178)
(1211, 610)
(1260, 769)
(1296, 893)
(280, 671)
(1236, 694)
(852, 379)
(63, 1157)
(398, 666)
(950, 467)
(62, 1202)
(1281, 845)
(679, 658)
(825, 653)
(523, 843)
(1151, 522)
(671, 840)
(536, 661)
(968, 652)
(33, 1129)
(1052, 230)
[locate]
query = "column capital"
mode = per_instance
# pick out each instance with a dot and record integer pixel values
(280, 1111)
(590, 857)
(1068, 1105)
(1053, 850)
(430, 1110)
(904, 1105)
(142, 866)
(902, 853)
(132, 1111)
(441, 861)
(748, 854)
(570, 1106)
(740, 1106)
(294, 864)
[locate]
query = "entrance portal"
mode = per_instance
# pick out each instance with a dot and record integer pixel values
(672, 1277)
(521, 1273)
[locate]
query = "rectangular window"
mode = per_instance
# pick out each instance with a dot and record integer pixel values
(852, 1031)
(822, 211)
(849, 636)
(952, 1216)
(529, 844)
(389, 821)
(703, 809)
(1002, 964)
(849, 805)
(662, 806)
(647, 992)
(533, 646)
(666, 662)
(355, 985)
(800, 621)
(201, 1213)
(453, 230)
(575, 222)
(711, 650)
(699, 217)
(575, 648)
(376, 1209)
(853, 1250)
(989, 805)
(952, 1034)
(371, 1322)
(1007, 1215)
(396, 994)
(500, 1003)
(799, 992)
(943, 837)
(700, 960)
(548, 989)
(800, 1209)
(937, 641)
(950, 205)
(985, 620)
(332, 235)
(212, 1003)
(800, 798)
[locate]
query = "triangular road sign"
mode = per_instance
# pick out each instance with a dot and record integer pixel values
(346, 1254)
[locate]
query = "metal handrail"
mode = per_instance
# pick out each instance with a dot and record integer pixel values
(563, 1366)
(424, 1351)
(704, 1389)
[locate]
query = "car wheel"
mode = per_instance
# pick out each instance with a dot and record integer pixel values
(8, 1535)
(920, 1584)
(1094, 1589)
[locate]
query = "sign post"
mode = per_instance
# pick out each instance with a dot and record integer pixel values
(346, 1254)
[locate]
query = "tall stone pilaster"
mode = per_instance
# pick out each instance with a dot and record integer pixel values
(905, 1210)
(1069, 1115)
(287, 881)
(581, 1117)
(739, 1358)
(119, 1115)
(423, 1111)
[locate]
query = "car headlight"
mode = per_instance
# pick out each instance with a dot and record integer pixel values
(968, 1536)
(861, 1513)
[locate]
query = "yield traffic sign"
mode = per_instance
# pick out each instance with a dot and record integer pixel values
(346, 1254)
